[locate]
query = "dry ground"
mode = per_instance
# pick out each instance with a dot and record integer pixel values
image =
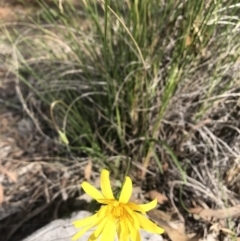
(32, 181)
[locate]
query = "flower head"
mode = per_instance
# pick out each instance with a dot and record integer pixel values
(116, 216)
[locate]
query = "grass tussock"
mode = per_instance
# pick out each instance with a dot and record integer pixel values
(153, 81)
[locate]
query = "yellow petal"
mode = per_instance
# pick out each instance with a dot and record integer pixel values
(81, 232)
(133, 231)
(132, 217)
(123, 231)
(135, 207)
(109, 232)
(92, 191)
(135, 235)
(105, 201)
(94, 236)
(102, 212)
(148, 206)
(126, 191)
(148, 225)
(105, 185)
(86, 221)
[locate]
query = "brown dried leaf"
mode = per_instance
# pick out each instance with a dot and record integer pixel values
(165, 166)
(175, 231)
(188, 41)
(1, 194)
(161, 198)
(17, 153)
(219, 213)
(88, 170)
(175, 235)
(6, 14)
(11, 175)
(158, 214)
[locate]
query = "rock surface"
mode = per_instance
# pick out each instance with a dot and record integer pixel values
(63, 230)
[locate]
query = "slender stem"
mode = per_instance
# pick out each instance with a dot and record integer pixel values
(128, 167)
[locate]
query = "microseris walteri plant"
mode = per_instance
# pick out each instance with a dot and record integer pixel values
(116, 217)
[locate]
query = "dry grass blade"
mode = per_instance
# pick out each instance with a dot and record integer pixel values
(88, 170)
(219, 213)
(11, 175)
(227, 231)
(1, 194)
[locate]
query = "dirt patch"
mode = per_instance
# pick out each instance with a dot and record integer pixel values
(34, 186)
(10, 13)
(6, 14)
(17, 10)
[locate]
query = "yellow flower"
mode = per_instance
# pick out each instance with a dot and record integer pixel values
(116, 216)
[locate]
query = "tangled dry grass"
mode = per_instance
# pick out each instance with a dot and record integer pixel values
(31, 183)
(200, 124)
